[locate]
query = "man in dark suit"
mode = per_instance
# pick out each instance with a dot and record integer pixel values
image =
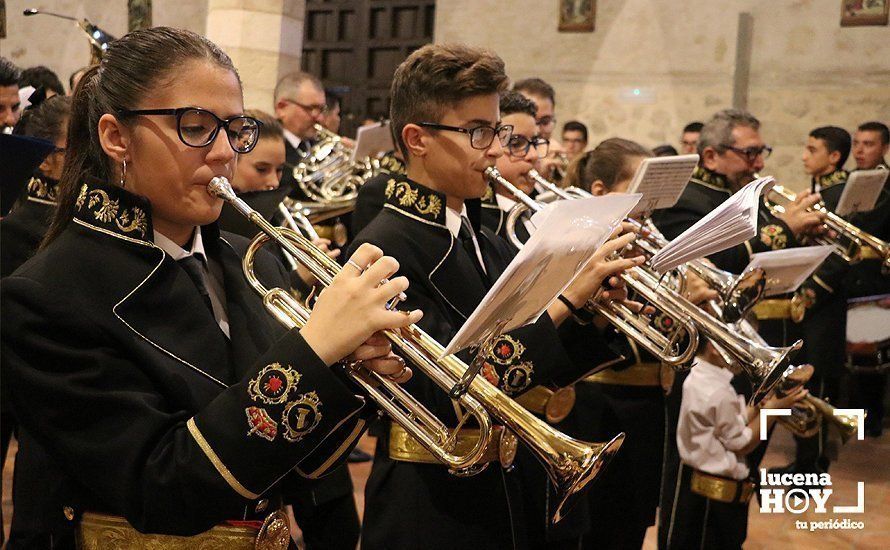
(299, 105)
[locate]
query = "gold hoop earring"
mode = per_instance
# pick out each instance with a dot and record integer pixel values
(124, 174)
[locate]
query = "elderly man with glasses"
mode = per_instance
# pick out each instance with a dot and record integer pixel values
(299, 105)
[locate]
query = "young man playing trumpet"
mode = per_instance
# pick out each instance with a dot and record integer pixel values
(446, 121)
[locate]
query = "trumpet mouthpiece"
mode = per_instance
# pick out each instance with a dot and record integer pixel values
(220, 187)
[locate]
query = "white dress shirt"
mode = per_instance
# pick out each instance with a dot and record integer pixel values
(212, 272)
(452, 222)
(506, 204)
(713, 423)
(292, 139)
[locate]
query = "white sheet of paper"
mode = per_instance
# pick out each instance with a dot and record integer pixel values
(730, 224)
(563, 244)
(372, 140)
(661, 181)
(787, 269)
(861, 191)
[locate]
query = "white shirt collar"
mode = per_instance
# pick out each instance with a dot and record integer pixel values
(505, 203)
(177, 252)
(452, 219)
(292, 139)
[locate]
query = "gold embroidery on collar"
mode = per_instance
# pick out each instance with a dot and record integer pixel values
(488, 197)
(40, 189)
(410, 197)
(834, 178)
(107, 210)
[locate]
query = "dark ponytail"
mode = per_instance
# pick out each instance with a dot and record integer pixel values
(132, 68)
(609, 162)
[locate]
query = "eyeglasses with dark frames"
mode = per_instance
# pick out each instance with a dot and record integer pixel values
(313, 110)
(481, 137)
(519, 146)
(199, 127)
(751, 153)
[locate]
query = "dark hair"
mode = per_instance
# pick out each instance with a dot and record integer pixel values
(513, 102)
(608, 162)
(9, 73)
(332, 99)
(666, 150)
(271, 127)
(47, 120)
(536, 87)
(836, 139)
(41, 77)
(79, 71)
(132, 67)
(693, 127)
(437, 76)
(878, 127)
(575, 126)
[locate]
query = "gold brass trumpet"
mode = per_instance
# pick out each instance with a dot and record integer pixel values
(808, 413)
(764, 365)
(848, 240)
(571, 464)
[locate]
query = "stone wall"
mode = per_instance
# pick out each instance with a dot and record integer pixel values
(62, 46)
(806, 70)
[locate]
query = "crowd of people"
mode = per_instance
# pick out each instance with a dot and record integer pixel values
(152, 396)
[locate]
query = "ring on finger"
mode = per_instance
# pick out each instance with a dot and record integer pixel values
(355, 265)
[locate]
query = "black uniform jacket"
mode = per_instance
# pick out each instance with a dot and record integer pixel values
(410, 505)
(371, 194)
(292, 157)
(130, 398)
(23, 229)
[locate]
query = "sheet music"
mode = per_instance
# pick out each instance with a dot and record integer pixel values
(563, 244)
(731, 223)
(787, 269)
(861, 191)
(661, 181)
(372, 140)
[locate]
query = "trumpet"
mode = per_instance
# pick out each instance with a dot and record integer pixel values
(667, 349)
(807, 414)
(848, 241)
(737, 293)
(764, 365)
(570, 463)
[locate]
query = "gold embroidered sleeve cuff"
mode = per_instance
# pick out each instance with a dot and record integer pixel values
(291, 410)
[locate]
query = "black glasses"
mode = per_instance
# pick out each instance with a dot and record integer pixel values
(519, 146)
(751, 153)
(199, 127)
(313, 110)
(481, 137)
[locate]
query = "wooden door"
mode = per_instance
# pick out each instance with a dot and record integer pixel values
(354, 46)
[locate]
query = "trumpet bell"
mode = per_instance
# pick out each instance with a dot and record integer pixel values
(766, 368)
(571, 476)
(742, 293)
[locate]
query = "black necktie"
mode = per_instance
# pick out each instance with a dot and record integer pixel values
(465, 234)
(195, 269)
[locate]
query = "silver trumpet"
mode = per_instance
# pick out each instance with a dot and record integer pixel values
(764, 365)
(668, 349)
(737, 293)
(848, 240)
(571, 464)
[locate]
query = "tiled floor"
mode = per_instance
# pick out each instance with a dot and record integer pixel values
(867, 461)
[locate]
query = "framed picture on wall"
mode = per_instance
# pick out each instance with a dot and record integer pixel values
(577, 15)
(856, 13)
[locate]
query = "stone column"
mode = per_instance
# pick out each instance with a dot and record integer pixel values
(263, 37)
